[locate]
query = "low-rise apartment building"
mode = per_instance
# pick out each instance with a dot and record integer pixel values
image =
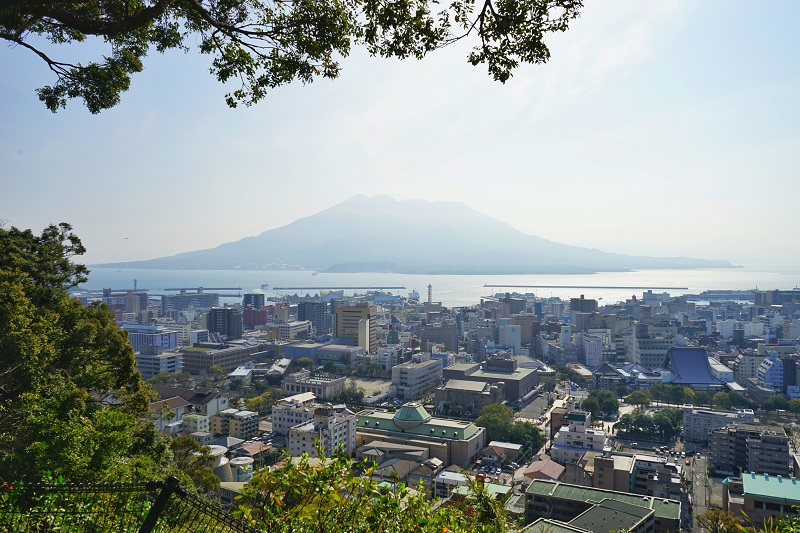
(699, 422)
(750, 448)
(293, 410)
(331, 429)
(572, 441)
(234, 423)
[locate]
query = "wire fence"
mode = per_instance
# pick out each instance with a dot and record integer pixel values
(151, 507)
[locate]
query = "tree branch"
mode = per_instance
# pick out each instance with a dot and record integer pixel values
(61, 69)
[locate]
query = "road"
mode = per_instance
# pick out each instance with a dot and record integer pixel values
(698, 474)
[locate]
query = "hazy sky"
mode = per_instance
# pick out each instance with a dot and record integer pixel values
(657, 128)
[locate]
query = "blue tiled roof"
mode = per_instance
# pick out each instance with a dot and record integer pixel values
(689, 365)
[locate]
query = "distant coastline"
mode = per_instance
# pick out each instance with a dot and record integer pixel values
(452, 290)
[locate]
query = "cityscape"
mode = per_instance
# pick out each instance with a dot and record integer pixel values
(658, 409)
(323, 266)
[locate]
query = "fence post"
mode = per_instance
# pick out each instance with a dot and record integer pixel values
(168, 488)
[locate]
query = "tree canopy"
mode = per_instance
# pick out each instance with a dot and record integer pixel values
(638, 398)
(601, 402)
(334, 494)
(718, 521)
(257, 45)
(71, 400)
(498, 419)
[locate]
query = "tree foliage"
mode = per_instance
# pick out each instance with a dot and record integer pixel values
(722, 400)
(674, 394)
(607, 403)
(702, 398)
(257, 45)
(350, 394)
(663, 425)
(71, 399)
(638, 398)
(718, 521)
(194, 463)
(498, 419)
(333, 494)
(302, 362)
(262, 404)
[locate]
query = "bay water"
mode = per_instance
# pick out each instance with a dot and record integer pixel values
(452, 290)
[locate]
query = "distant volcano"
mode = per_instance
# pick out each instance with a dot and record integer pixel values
(381, 234)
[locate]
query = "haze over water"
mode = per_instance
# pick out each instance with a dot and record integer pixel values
(452, 290)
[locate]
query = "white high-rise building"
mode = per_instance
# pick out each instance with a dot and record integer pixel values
(511, 336)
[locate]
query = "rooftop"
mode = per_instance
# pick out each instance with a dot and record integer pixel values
(690, 365)
(776, 487)
(611, 515)
(494, 489)
(663, 508)
(546, 525)
(519, 373)
(461, 384)
(437, 428)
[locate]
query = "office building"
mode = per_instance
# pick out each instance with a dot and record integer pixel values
(413, 379)
(151, 360)
(581, 305)
(188, 300)
(198, 359)
(143, 335)
(528, 324)
(359, 324)
(253, 318)
(290, 330)
(324, 386)
(317, 313)
(445, 332)
(225, 321)
(254, 300)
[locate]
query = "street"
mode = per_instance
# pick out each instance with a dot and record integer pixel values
(697, 473)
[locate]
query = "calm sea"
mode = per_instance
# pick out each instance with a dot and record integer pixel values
(452, 290)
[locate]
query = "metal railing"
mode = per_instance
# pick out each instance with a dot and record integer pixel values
(150, 507)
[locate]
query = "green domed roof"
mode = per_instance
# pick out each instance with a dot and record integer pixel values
(411, 415)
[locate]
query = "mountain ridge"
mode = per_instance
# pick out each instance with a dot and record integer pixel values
(411, 236)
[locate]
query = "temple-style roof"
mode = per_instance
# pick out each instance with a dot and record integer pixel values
(689, 366)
